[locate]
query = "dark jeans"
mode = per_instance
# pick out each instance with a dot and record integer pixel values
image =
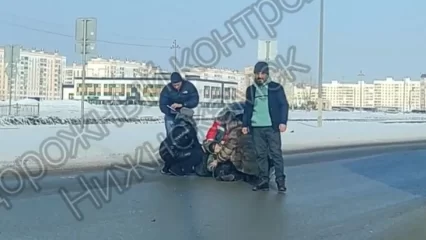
(168, 122)
(267, 142)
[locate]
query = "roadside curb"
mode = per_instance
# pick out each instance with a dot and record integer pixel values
(401, 143)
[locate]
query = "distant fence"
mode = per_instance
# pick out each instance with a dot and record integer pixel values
(20, 110)
(418, 111)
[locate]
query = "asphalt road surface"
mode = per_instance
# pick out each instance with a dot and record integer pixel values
(347, 194)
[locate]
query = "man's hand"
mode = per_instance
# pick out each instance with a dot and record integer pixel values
(213, 164)
(244, 130)
(283, 127)
(176, 105)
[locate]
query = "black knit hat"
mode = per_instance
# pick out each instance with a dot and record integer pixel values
(261, 67)
(175, 77)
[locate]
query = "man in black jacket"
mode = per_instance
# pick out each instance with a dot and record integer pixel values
(177, 94)
(181, 151)
(265, 116)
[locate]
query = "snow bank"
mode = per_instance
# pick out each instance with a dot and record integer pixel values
(68, 109)
(68, 112)
(19, 121)
(122, 140)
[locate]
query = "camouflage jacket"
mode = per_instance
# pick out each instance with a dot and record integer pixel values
(233, 130)
(238, 148)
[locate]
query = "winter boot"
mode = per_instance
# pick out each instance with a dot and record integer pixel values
(262, 185)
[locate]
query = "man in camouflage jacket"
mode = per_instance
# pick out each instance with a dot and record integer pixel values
(236, 149)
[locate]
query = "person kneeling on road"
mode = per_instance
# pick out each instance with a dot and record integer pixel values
(224, 146)
(181, 151)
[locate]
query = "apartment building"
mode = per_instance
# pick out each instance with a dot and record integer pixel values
(39, 74)
(358, 95)
(303, 94)
(110, 68)
(404, 95)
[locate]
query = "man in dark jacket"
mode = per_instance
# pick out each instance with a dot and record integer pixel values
(265, 117)
(181, 151)
(175, 95)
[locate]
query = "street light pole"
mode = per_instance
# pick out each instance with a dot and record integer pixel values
(12, 77)
(11, 60)
(361, 76)
(175, 46)
(320, 63)
(85, 36)
(83, 70)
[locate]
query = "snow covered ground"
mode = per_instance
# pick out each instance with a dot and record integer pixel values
(68, 111)
(106, 144)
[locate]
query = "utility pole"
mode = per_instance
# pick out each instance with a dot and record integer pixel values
(11, 58)
(320, 63)
(361, 89)
(175, 46)
(267, 51)
(85, 37)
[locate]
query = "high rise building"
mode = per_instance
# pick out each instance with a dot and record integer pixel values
(357, 95)
(403, 95)
(39, 74)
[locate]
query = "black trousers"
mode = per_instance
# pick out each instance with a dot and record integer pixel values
(181, 161)
(267, 142)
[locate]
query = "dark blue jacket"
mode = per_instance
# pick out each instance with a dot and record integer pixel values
(187, 95)
(278, 105)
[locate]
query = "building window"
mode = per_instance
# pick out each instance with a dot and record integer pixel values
(206, 92)
(215, 93)
(227, 94)
(152, 90)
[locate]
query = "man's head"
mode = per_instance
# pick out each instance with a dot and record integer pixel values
(176, 80)
(261, 72)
